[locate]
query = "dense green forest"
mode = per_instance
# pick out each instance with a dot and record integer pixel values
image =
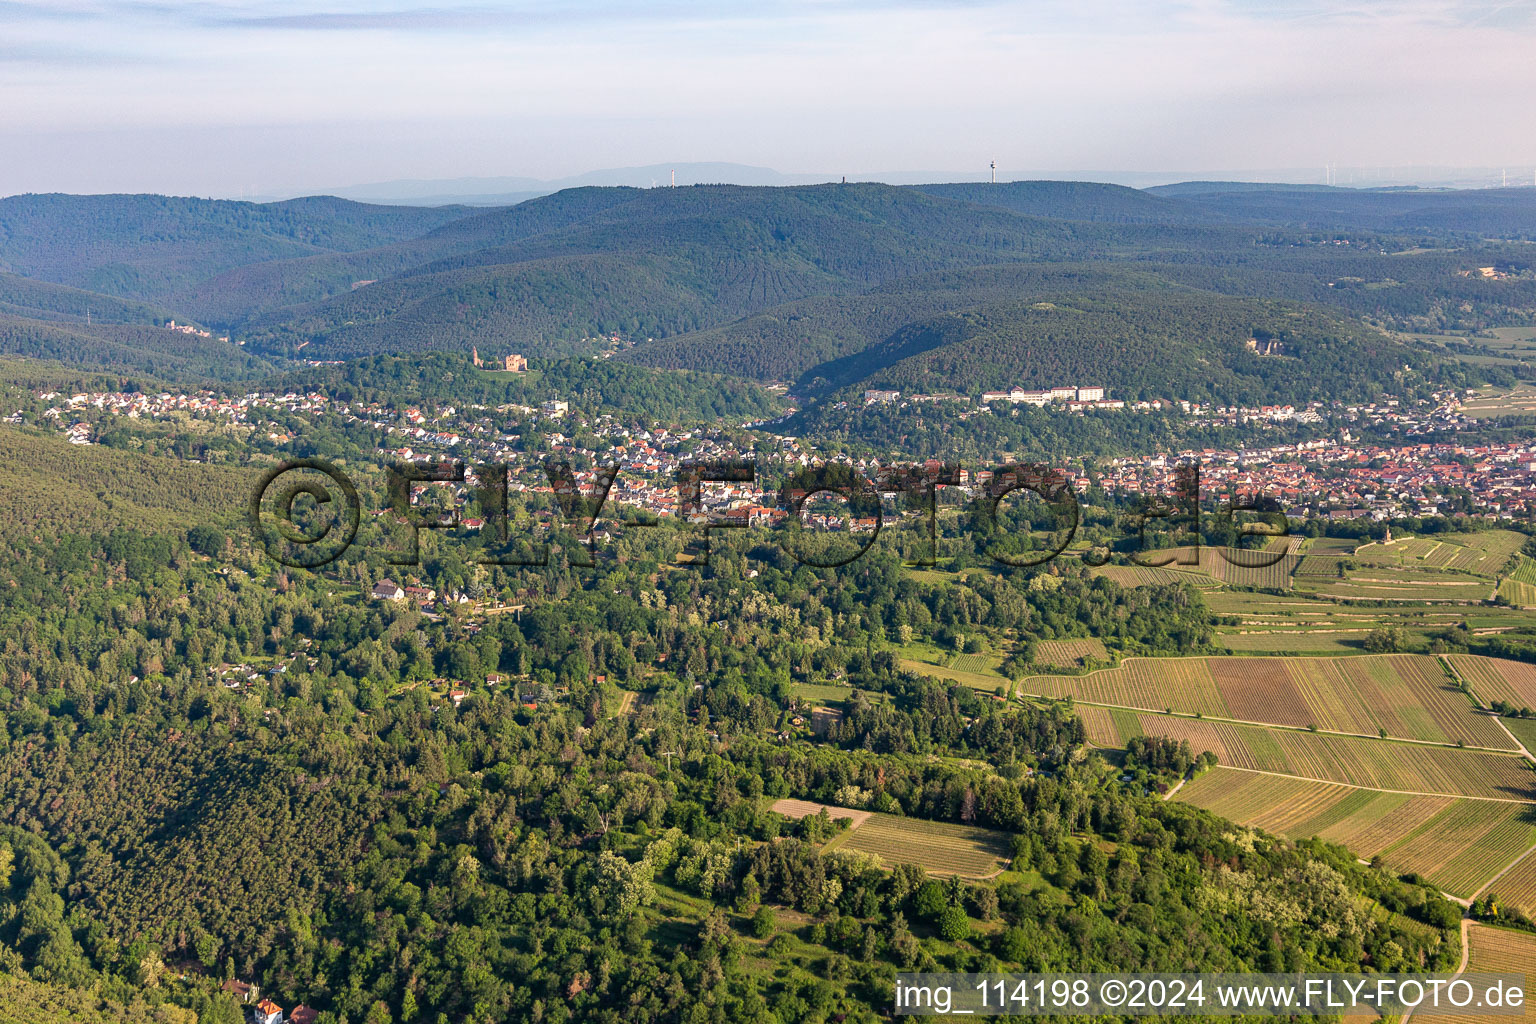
(1427, 293)
(836, 282)
(129, 348)
(334, 830)
(23, 296)
(589, 385)
(150, 247)
(52, 485)
(1141, 345)
(546, 792)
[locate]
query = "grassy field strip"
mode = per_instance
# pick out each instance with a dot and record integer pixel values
(1280, 643)
(975, 680)
(1410, 697)
(1523, 730)
(826, 694)
(1458, 844)
(1348, 590)
(940, 848)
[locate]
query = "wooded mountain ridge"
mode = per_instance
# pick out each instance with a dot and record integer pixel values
(763, 282)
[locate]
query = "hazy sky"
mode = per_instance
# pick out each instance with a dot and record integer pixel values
(222, 97)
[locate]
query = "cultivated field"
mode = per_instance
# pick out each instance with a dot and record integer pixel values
(1517, 887)
(1184, 684)
(1147, 575)
(1293, 623)
(1373, 764)
(1524, 571)
(1456, 844)
(1101, 727)
(1069, 653)
(1497, 679)
(1466, 844)
(1398, 585)
(1269, 569)
(1518, 591)
(1484, 552)
(798, 809)
(1409, 696)
(938, 847)
(1497, 950)
(1519, 401)
(1328, 566)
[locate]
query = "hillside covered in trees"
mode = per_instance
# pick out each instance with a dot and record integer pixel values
(549, 847)
(769, 283)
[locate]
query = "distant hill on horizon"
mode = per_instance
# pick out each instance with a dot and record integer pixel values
(794, 282)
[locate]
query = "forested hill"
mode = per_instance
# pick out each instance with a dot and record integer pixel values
(1480, 213)
(1078, 200)
(1144, 329)
(769, 283)
(149, 246)
(24, 296)
(1142, 345)
(666, 261)
(130, 348)
(593, 386)
(52, 485)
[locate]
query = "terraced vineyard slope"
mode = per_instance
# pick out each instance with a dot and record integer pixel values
(1403, 695)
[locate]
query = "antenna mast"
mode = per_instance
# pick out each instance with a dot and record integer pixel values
(994, 172)
(674, 177)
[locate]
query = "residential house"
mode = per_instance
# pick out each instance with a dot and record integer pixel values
(245, 991)
(387, 590)
(267, 1012)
